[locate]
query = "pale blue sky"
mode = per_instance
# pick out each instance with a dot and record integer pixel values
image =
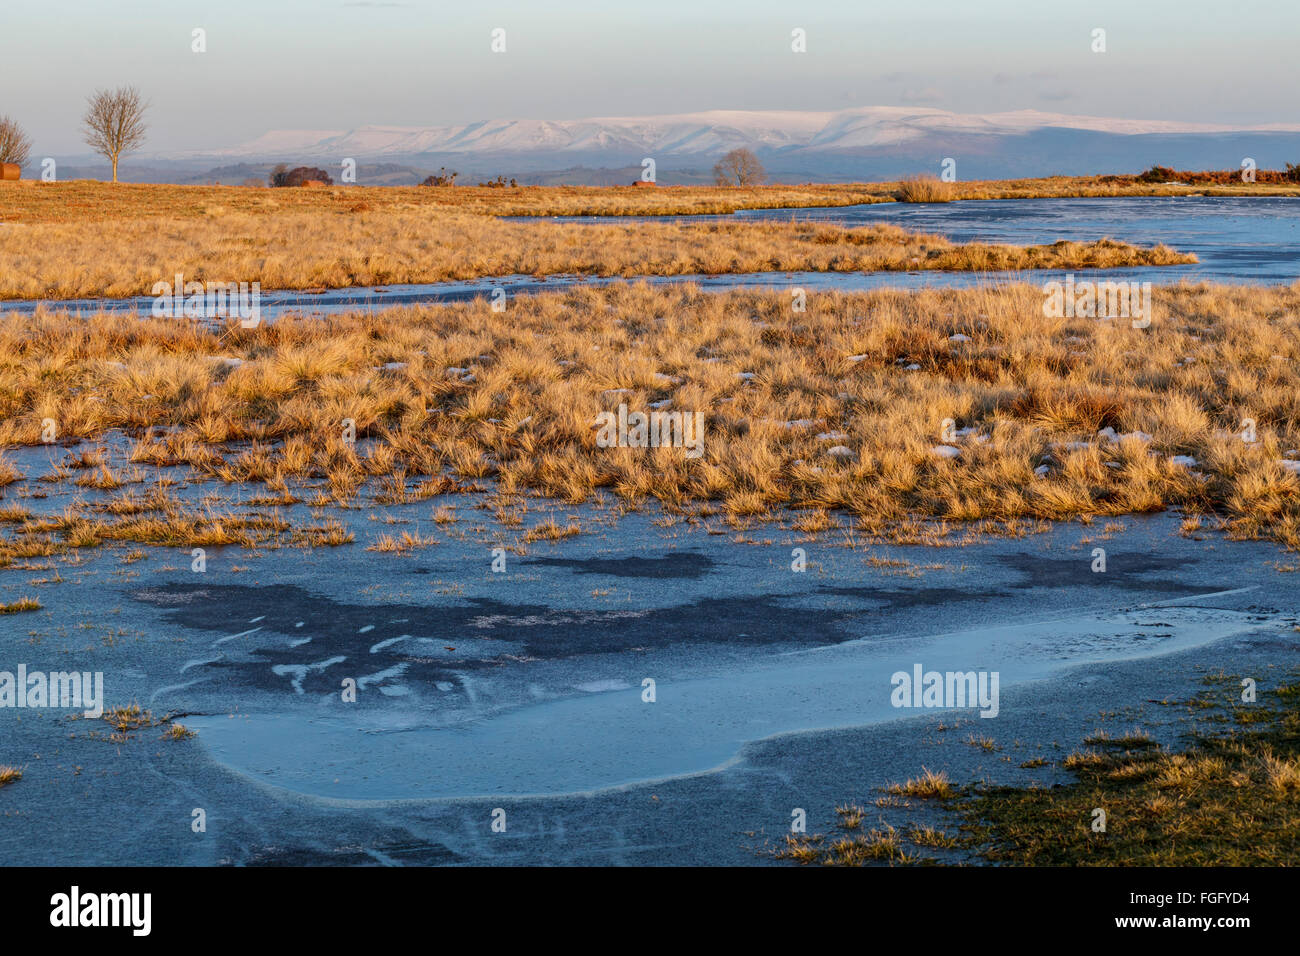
(332, 64)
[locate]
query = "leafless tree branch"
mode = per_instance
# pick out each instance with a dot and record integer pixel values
(114, 123)
(15, 147)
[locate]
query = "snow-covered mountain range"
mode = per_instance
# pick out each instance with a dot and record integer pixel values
(866, 128)
(863, 144)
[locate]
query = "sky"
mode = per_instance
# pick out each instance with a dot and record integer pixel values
(335, 64)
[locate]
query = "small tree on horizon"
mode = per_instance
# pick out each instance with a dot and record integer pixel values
(441, 178)
(15, 147)
(740, 167)
(114, 123)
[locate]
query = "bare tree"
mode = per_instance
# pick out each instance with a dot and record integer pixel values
(740, 167)
(15, 147)
(114, 123)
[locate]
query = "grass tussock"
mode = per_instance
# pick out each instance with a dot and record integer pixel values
(21, 605)
(401, 544)
(551, 530)
(9, 775)
(926, 189)
(876, 846)
(124, 719)
(884, 844)
(928, 786)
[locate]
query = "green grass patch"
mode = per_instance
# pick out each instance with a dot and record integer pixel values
(1231, 798)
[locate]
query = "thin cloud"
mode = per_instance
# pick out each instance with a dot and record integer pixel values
(927, 95)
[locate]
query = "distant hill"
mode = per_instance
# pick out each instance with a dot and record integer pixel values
(858, 144)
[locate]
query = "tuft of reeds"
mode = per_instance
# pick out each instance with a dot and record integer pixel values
(925, 189)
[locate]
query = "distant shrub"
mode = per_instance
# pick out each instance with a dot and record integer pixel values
(281, 175)
(1217, 177)
(1158, 174)
(924, 189)
(441, 178)
(740, 167)
(499, 183)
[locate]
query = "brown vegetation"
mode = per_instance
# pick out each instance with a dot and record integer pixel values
(838, 409)
(357, 245)
(925, 189)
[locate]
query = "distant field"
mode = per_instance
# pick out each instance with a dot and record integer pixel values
(87, 239)
(90, 201)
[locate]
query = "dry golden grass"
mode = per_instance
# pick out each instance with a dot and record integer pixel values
(926, 189)
(375, 246)
(153, 519)
(859, 847)
(779, 390)
(88, 201)
(9, 775)
(22, 604)
(403, 544)
(127, 718)
(551, 530)
(929, 785)
(883, 845)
